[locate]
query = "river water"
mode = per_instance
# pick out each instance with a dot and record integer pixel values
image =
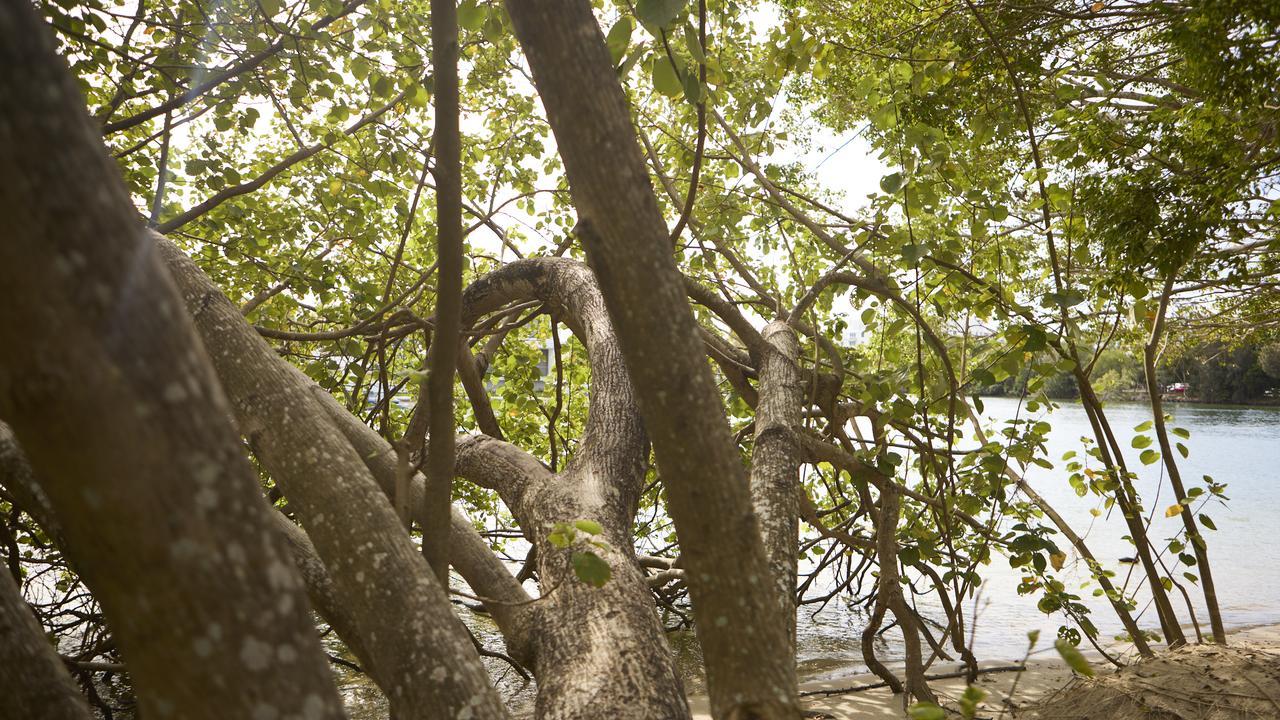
(1238, 446)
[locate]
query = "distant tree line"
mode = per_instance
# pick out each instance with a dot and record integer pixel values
(1214, 372)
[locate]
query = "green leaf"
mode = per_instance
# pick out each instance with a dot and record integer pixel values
(692, 88)
(1073, 658)
(1142, 427)
(665, 79)
(885, 117)
(658, 13)
(619, 38)
(694, 45)
(471, 15)
(359, 67)
(1141, 441)
(590, 527)
(891, 183)
(591, 568)
(969, 701)
(1149, 456)
(1207, 522)
(926, 711)
(562, 535)
(913, 252)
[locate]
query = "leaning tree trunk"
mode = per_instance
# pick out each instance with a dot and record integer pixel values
(33, 681)
(741, 628)
(113, 399)
(613, 629)
(420, 650)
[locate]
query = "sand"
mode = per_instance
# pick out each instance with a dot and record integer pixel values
(1046, 679)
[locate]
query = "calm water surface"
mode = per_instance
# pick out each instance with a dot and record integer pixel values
(1238, 446)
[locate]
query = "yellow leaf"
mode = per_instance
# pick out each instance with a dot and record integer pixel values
(1173, 511)
(1057, 559)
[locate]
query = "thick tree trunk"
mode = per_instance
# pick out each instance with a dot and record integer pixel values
(33, 681)
(419, 647)
(113, 400)
(470, 554)
(613, 630)
(775, 464)
(740, 626)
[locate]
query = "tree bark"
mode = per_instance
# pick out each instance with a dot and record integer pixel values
(741, 628)
(889, 592)
(775, 465)
(34, 682)
(112, 398)
(613, 630)
(418, 645)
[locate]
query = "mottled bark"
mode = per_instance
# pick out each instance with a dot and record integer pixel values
(112, 398)
(739, 623)
(612, 630)
(775, 464)
(420, 649)
(33, 681)
(469, 554)
(17, 477)
(325, 598)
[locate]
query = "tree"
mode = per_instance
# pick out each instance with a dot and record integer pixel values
(369, 235)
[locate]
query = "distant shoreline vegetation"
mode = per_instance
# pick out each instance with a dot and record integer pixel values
(1212, 373)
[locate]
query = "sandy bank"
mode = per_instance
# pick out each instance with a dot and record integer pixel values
(1045, 674)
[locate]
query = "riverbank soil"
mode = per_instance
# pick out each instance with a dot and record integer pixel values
(1200, 682)
(1204, 682)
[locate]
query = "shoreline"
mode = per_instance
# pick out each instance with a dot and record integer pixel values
(1044, 674)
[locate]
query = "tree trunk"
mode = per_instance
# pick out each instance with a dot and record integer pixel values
(34, 682)
(420, 648)
(442, 356)
(112, 398)
(742, 630)
(614, 629)
(1194, 538)
(890, 589)
(775, 465)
